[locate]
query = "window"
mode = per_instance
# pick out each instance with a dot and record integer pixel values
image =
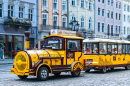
(54, 42)
(98, 26)
(112, 15)
(10, 11)
(127, 31)
(127, 18)
(82, 22)
(108, 2)
(109, 48)
(0, 10)
(64, 22)
(116, 4)
(108, 29)
(98, 0)
(111, 2)
(98, 11)
(64, 5)
(116, 16)
(91, 48)
(90, 23)
(128, 9)
(124, 18)
(19, 38)
(124, 30)
(119, 5)
(124, 7)
(2, 37)
(124, 48)
(90, 6)
(102, 12)
(73, 2)
(102, 27)
(119, 29)
(102, 1)
(114, 48)
(103, 48)
(73, 18)
(55, 5)
(116, 29)
(44, 20)
(119, 16)
(55, 22)
(108, 14)
(21, 12)
(127, 48)
(74, 45)
(82, 3)
(30, 15)
(112, 30)
(119, 48)
(44, 3)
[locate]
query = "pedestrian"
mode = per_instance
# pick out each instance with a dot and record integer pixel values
(14, 53)
(2, 53)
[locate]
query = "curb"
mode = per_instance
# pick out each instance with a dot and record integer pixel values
(5, 63)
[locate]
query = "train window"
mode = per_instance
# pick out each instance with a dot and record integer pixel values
(119, 48)
(88, 48)
(114, 48)
(91, 48)
(74, 45)
(95, 48)
(124, 48)
(128, 49)
(109, 48)
(103, 48)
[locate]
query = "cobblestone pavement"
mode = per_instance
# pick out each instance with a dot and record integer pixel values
(117, 77)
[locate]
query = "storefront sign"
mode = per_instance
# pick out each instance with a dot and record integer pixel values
(63, 32)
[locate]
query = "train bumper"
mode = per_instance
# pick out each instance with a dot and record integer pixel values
(14, 71)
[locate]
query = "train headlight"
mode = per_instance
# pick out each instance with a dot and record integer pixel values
(33, 63)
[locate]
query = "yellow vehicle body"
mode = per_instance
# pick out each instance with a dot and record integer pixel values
(29, 62)
(108, 59)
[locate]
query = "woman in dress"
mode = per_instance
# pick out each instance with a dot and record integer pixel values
(2, 53)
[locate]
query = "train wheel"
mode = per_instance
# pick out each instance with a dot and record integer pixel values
(23, 77)
(75, 74)
(104, 70)
(43, 74)
(57, 74)
(127, 67)
(87, 70)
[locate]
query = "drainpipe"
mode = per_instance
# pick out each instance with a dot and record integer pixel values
(37, 25)
(68, 12)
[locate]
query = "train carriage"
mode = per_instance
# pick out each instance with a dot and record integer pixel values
(101, 54)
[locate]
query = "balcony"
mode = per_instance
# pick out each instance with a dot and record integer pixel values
(17, 21)
(49, 27)
(112, 34)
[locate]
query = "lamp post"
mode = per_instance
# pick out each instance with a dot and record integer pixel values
(74, 25)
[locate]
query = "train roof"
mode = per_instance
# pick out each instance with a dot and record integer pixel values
(92, 40)
(65, 36)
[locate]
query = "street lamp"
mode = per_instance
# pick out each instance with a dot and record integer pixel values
(74, 25)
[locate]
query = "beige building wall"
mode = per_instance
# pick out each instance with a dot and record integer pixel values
(50, 12)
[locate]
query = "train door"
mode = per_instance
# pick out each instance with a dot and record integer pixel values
(73, 50)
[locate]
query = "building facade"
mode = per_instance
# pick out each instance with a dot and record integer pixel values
(16, 17)
(83, 12)
(126, 19)
(52, 14)
(108, 18)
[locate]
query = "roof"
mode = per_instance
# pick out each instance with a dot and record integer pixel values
(92, 40)
(65, 36)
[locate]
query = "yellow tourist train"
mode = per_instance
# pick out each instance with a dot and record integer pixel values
(62, 53)
(103, 54)
(65, 52)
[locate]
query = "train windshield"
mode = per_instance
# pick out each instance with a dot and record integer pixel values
(54, 43)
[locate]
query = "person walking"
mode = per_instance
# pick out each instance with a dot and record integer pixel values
(14, 53)
(2, 53)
